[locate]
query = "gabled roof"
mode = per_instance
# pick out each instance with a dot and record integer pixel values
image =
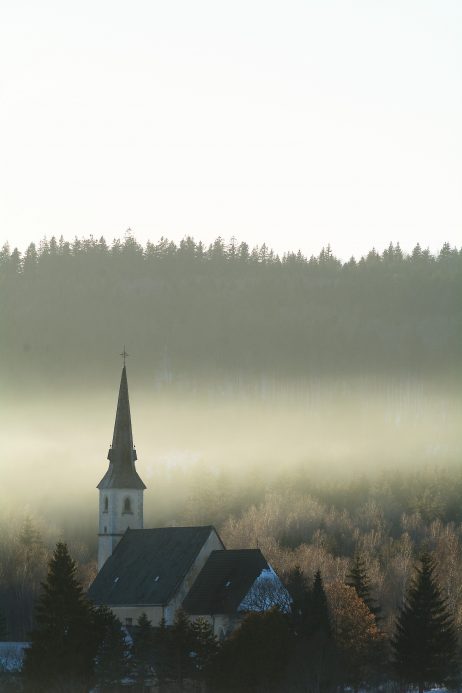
(148, 565)
(224, 581)
(122, 454)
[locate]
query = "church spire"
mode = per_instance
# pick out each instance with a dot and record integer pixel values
(122, 454)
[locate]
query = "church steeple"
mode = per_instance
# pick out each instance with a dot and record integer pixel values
(120, 489)
(122, 454)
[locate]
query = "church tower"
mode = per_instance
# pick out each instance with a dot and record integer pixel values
(120, 489)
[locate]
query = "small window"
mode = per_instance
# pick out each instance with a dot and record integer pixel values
(106, 504)
(105, 530)
(127, 506)
(128, 621)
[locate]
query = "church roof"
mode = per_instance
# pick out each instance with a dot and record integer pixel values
(148, 565)
(122, 454)
(224, 581)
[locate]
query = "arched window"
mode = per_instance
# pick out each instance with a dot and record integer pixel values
(106, 504)
(127, 505)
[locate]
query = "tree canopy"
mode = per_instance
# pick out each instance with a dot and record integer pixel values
(228, 309)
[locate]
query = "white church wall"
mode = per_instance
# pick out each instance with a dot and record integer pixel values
(115, 518)
(223, 624)
(129, 615)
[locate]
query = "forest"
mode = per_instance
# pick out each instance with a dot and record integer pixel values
(199, 313)
(373, 606)
(219, 323)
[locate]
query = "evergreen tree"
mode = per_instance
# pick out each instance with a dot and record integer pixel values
(204, 647)
(255, 656)
(182, 644)
(318, 611)
(425, 641)
(359, 579)
(30, 261)
(3, 628)
(112, 657)
(313, 660)
(143, 651)
(297, 586)
(163, 656)
(62, 645)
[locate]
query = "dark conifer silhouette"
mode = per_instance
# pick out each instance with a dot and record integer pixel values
(359, 579)
(297, 586)
(181, 640)
(204, 647)
(63, 642)
(143, 651)
(255, 657)
(164, 664)
(3, 628)
(112, 656)
(425, 641)
(318, 611)
(314, 655)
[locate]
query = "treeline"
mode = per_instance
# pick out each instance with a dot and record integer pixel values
(328, 639)
(188, 310)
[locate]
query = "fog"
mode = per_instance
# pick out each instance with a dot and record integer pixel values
(306, 406)
(243, 441)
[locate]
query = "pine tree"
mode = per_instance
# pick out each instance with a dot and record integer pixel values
(3, 628)
(425, 640)
(143, 651)
(163, 655)
(62, 644)
(359, 579)
(318, 611)
(297, 587)
(255, 656)
(204, 646)
(313, 657)
(182, 643)
(112, 658)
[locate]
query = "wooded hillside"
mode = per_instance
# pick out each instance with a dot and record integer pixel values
(187, 310)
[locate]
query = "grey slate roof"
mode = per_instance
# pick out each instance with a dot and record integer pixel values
(224, 581)
(148, 565)
(122, 454)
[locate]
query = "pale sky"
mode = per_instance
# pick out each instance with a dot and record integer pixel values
(298, 123)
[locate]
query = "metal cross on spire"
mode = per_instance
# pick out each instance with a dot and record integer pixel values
(124, 355)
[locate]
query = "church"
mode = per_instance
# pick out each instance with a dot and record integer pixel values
(158, 571)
